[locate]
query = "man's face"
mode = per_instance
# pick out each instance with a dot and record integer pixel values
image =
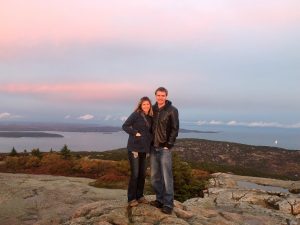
(161, 97)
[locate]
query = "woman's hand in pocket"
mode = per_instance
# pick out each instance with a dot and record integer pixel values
(135, 154)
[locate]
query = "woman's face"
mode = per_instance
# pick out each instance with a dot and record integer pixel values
(146, 106)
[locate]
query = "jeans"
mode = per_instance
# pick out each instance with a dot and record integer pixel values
(162, 176)
(137, 176)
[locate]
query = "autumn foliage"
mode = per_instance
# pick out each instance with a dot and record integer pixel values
(56, 163)
(107, 173)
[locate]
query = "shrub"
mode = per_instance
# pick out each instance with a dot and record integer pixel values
(12, 163)
(36, 152)
(185, 184)
(122, 167)
(54, 164)
(32, 162)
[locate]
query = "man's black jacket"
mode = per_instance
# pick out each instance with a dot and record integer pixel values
(165, 125)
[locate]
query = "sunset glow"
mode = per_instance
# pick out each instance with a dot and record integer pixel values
(75, 91)
(224, 60)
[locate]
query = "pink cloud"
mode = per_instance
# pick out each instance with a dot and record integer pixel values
(77, 91)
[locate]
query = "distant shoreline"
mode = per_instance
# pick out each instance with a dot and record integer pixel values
(29, 134)
(197, 131)
(80, 128)
(41, 134)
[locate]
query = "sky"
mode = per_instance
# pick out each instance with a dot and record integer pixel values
(224, 62)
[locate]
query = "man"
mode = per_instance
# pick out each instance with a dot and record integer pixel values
(165, 130)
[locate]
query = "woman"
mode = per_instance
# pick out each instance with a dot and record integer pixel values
(138, 126)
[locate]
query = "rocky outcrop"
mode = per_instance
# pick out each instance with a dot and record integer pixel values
(217, 209)
(45, 200)
(295, 188)
(117, 212)
(263, 192)
(225, 203)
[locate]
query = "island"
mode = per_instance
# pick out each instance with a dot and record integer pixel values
(29, 134)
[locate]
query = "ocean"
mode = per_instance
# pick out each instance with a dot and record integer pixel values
(96, 141)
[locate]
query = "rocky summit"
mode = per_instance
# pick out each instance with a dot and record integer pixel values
(229, 200)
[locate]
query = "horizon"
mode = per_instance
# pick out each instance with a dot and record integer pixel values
(84, 136)
(227, 63)
(189, 125)
(96, 140)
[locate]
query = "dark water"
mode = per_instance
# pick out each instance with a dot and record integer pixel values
(95, 141)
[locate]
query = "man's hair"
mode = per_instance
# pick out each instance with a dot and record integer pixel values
(162, 89)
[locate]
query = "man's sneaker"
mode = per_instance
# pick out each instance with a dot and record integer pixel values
(157, 204)
(167, 210)
(133, 203)
(143, 200)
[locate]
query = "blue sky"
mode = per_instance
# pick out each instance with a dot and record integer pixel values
(224, 62)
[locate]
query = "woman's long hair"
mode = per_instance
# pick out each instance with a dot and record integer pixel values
(139, 105)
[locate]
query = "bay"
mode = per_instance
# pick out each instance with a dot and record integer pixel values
(97, 141)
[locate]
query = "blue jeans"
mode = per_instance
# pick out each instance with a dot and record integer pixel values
(137, 176)
(162, 176)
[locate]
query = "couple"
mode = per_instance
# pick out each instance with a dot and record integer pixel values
(152, 130)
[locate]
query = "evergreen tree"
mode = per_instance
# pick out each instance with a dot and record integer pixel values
(25, 153)
(13, 152)
(65, 152)
(185, 185)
